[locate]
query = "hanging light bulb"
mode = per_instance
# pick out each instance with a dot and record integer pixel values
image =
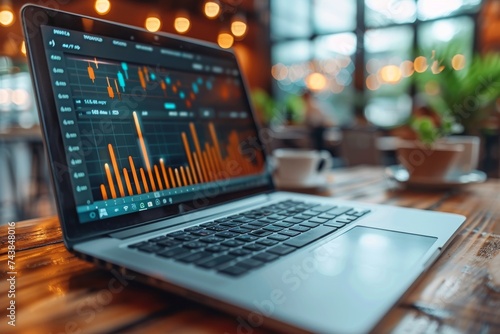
(182, 23)
(225, 40)
(153, 23)
(212, 9)
(102, 7)
(238, 26)
(6, 14)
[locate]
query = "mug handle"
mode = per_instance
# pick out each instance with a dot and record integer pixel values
(326, 162)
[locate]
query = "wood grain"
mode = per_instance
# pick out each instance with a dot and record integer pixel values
(59, 293)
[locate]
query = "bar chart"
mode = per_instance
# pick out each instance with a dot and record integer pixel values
(204, 162)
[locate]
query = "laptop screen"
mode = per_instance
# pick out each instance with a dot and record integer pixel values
(146, 126)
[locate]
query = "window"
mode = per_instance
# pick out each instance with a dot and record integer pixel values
(364, 50)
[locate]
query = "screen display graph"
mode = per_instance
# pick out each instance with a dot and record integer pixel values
(144, 126)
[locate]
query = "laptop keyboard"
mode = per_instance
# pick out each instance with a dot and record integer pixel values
(237, 244)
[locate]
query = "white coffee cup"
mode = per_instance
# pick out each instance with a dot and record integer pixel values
(296, 167)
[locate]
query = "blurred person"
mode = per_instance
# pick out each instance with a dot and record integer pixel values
(316, 119)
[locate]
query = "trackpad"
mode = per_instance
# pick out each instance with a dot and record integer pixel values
(375, 248)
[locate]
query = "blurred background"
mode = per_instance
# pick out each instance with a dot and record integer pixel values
(347, 76)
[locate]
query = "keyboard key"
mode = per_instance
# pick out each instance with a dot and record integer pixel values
(309, 236)
(310, 213)
(211, 239)
(289, 233)
(230, 224)
(326, 216)
(150, 248)
(139, 244)
(358, 212)
(226, 234)
(194, 245)
(243, 220)
(240, 252)
(276, 217)
(260, 233)
(202, 233)
(318, 220)
(174, 252)
(254, 247)
(193, 257)
(268, 220)
(309, 224)
(234, 270)
(335, 224)
(192, 228)
(281, 249)
(278, 237)
(293, 220)
(323, 208)
(283, 224)
(339, 210)
(250, 263)
(246, 238)
(232, 243)
(267, 242)
(184, 238)
(210, 223)
(155, 240)
(216, 249)
(218, 228)
(265, 257)
(215, 262)
(169, 243)
(177, 234)
(273, 228)
(299, 228)
(240, 230)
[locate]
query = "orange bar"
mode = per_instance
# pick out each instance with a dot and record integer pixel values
(206, 163)
(141, 78)
(211, 161)
(217, 163)
(178, 178)
(144, 181)
(146, 73)
(90, 70)
(127, 182)
(188, 153)
(183, 176)
(198, 151)
(188, 172)
(215, 141)
(117, 171)
(144, 150)
(111, 93)
(103, 192)
(134, 174)
(164, 172)
(195, 157)
(110, 180)
(171, 173)
(158, 177)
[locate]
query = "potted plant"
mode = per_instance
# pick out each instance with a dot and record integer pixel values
(455, 95)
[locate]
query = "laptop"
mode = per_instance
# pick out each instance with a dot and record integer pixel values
(159, 170)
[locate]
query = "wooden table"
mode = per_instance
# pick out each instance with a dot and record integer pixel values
(58, 293)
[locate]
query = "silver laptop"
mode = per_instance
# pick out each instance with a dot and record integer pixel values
(158, 170)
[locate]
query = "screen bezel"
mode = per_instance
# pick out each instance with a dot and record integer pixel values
(33, 17)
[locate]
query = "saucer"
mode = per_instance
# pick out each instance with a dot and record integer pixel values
(401, 175)
(317, 182)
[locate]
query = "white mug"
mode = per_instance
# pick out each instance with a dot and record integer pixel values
(301, 167)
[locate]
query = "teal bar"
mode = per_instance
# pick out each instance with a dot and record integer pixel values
(170, 106)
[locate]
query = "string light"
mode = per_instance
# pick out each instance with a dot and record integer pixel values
(182, 23)
(225, 40)
(316, 81)
(238, 26)
(102, 7)
(212, 9)
(153, 23)
(6, 17)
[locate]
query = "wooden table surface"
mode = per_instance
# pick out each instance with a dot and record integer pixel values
(59, 293)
